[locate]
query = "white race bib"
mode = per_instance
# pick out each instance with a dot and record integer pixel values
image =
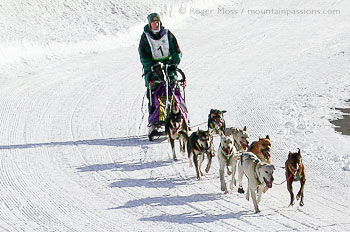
(160, 47)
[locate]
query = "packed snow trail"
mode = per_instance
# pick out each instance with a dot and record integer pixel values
(75, 158)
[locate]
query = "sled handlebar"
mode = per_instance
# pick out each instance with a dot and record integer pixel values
(182, 74)
(159, 68)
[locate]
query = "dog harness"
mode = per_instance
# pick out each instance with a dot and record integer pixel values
(227, 154)
(160, 47)
(199, 148)
(296, 172)
(256, 175)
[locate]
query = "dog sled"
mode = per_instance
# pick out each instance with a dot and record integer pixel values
(165, 92)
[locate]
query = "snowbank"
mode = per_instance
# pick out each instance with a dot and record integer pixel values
(50, 29)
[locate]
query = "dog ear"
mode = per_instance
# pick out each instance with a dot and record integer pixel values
(267, 137)
(245, 128)
(224, 111)
(298, 151)
(258, 165)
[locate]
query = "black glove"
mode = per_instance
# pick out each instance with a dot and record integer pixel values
(172, 68)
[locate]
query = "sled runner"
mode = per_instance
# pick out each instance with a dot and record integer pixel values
(165, 92)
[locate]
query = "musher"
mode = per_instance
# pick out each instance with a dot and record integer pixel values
(157, 44)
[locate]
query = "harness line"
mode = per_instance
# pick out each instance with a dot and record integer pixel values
(285, 180)
(197, 125)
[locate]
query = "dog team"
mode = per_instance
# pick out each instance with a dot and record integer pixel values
(252, 161)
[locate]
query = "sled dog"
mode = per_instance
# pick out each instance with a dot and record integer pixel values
(216, 122)
(295, 171)
(227, 158)
(176, 129)
(259, 174)
(200, 143)
(261, 149)
(240, 138)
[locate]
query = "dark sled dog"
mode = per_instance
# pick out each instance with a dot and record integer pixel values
(200, 143)
(295, 171)
(216, 122)
(176, 129)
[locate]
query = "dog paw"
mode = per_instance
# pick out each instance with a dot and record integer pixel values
(240, 190)
(301, 203)
(226, 192)
(222, 188)
(175, 159)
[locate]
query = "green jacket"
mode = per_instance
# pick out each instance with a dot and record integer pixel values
(146, 54)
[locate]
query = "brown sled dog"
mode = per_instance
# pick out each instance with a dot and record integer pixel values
(261, 149)
(295, 171)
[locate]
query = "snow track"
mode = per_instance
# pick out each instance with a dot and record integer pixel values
(74, 155)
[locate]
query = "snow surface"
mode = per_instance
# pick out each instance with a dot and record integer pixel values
(73, 151)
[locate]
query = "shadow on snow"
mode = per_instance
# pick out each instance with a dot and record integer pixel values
(188, 217)
(170, 200)
(150, 183)
(127, 141)
(124, 166)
